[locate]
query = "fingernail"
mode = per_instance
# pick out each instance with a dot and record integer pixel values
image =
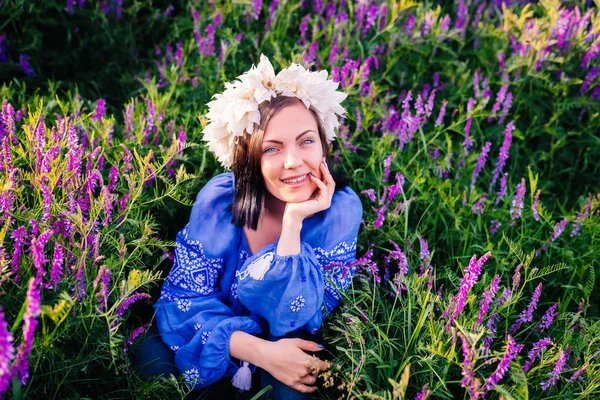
(320, 346)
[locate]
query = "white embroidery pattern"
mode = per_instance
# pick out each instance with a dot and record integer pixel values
(336, 277)
(234, 290)
(174, 348)
(197, 326)
(342, 252)
(191, 375)
(298, 303)
(184, 305)
(193, 270)
(205, 336)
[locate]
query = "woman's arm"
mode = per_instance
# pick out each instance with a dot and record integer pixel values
(295, 213)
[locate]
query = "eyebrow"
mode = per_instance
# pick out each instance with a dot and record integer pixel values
(297, 137)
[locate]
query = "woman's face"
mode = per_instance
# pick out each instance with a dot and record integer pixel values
(291, 149)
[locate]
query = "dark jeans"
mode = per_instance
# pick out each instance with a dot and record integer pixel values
(154, 358)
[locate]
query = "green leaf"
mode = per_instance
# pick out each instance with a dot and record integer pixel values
(550, 269)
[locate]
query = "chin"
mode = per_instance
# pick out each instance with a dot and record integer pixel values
(298, 196)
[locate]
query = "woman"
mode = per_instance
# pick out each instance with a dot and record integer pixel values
(267, 248)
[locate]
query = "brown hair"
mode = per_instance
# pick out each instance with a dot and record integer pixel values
(250, 190)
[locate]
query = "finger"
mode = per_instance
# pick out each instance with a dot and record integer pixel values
(309, 379)
(324, 365)
(327, 174)
(304, 388)
(322, 185)
(307, 345)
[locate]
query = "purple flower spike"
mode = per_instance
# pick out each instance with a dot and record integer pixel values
(535, 206)
(21, 364)
(134, 335)
(517, 202)
(503, 156)
(386, 164)
(488, 296)
(480, 162)
(57, 265)
(502, 192)
(129, 301)
(440, 117)
(25, 67)
(479, 207)
(100, 110)
(494, 226)
(424, 393)
(527, 314)
(548, 318)
(575, 376)
(535, 352)
(472, 272)
(470, 380)
(556, 371)
(512, 351)
(7, 353)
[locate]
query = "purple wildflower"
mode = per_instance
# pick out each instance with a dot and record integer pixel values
(134, 335)
(500, 194)
(424, 393)
(548, 318)
(506, 107)
(503, 156)
(370, 193)
(303, 29)
(7, 352)
(57, 265)
(472, 272)
(380, 217)
(399, 256)
(575, 376)
(100, 110)
(535, 205)
(517, 202)
(32, 310)
(129, 301)
(25, 67)
(480, 162)
(516, 279)
(583, 214)
(499, 102)
(102, 282)
(440, 117)
(527, 314)
(556, 371)
(488, 296)
(470, 381)
(494, 225)
(512, 351)
(479, 207)
(559, 228)
(536, 351)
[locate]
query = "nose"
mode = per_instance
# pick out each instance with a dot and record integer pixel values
(292, 159)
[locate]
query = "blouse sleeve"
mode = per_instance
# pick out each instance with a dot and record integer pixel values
(191, 314)
(297, 291)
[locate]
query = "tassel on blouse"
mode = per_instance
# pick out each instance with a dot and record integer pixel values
(258, 268)
(243, 377)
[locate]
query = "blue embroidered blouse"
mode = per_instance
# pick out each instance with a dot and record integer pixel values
(213, 289)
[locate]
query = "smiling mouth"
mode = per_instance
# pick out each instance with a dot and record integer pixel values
(295, 181)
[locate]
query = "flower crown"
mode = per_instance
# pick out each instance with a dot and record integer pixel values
(235, 111)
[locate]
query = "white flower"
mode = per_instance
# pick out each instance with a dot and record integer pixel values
(235, 111)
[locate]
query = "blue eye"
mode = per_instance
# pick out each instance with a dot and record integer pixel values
(269, 150)
(308, 141)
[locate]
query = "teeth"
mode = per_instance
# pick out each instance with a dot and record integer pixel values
(297, 180)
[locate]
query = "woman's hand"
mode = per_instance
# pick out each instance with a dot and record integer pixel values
(289, 364)
(319, 201)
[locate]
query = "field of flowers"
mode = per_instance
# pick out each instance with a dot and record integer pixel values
(471, 136)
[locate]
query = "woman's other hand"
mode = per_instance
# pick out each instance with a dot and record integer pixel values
(287, 362)
(319, 201)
